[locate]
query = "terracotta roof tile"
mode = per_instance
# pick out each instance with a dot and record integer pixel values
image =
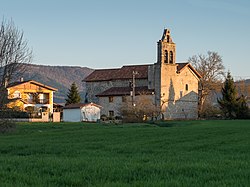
(122, 91)
(121, 73)
(79, 105)
(181, 66)
(125, 72)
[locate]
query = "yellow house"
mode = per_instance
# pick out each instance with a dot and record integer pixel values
(30, 93)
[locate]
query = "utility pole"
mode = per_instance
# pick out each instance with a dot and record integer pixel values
(133, 87)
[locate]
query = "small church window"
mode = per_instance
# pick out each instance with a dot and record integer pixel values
(111, 113)
(171, 59)
(166, 56)
(186, 87)
(111, 99)
(124, 99)
(181, 94)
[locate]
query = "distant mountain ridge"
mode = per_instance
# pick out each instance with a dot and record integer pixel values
(59, 77)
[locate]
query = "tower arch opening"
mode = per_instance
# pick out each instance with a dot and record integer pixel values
(171, 57)
(166, 56)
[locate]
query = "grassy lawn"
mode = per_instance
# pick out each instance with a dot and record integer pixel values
(181, 153)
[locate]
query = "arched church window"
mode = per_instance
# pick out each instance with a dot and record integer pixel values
(171, 58)
(168, 38)
(186, 87)
(166, 56)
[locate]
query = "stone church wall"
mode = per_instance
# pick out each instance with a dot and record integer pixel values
(182, 97)
(94, 88)
(111, 106)
(117, 103)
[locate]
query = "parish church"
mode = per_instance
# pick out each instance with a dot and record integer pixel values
(171, 86)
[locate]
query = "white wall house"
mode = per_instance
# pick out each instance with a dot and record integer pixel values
(81, 112)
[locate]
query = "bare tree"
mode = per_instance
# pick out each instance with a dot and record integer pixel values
(212, 70)
(243, 87)
(14, 53)
(142, 108)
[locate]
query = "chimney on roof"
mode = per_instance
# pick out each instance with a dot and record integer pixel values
(21, 79)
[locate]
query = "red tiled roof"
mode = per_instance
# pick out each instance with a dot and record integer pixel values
(80, 105)
(121, 73)
(126, 72)
(120, 91)
(181, 66)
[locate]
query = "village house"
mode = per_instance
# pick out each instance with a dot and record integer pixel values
(171, 86)
(24, 94)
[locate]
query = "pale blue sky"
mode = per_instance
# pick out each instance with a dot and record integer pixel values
(112, 33)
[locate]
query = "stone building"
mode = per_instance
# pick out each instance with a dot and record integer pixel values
(171, 86)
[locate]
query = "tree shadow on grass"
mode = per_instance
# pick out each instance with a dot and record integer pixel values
(174, 123)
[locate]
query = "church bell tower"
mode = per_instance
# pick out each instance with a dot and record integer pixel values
(166, 49)
(165, 72)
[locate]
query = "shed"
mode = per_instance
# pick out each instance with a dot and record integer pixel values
(81, 112)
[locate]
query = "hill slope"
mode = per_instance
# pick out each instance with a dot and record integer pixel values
(60, 77)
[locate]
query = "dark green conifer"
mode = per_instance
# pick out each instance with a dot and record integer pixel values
(73, 95)
(242, 108)
(228, 102)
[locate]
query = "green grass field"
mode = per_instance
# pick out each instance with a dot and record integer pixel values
(181, 153)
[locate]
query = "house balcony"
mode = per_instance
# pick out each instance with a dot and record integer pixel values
(37, 101)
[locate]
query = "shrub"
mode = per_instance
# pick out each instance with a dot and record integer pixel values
(7, 126)
(118, 117)
(211, 112)
(103, 117)
(8, 114)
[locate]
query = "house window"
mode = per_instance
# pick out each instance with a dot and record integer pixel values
(111, 113)
(186, 87)
(124, 99)
(43, 98)
(30, 98)
(111, 99)
(16, 94)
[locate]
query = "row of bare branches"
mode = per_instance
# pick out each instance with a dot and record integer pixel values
(14, 53)
(212, 72)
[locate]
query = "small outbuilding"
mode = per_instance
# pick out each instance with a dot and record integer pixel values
(81, 112)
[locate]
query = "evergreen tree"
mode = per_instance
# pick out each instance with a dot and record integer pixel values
(242, 108)
(228, 102)
(73, 95)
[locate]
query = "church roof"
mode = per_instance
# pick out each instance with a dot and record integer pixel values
(181, 66)
(124, 72)
(122, 91)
